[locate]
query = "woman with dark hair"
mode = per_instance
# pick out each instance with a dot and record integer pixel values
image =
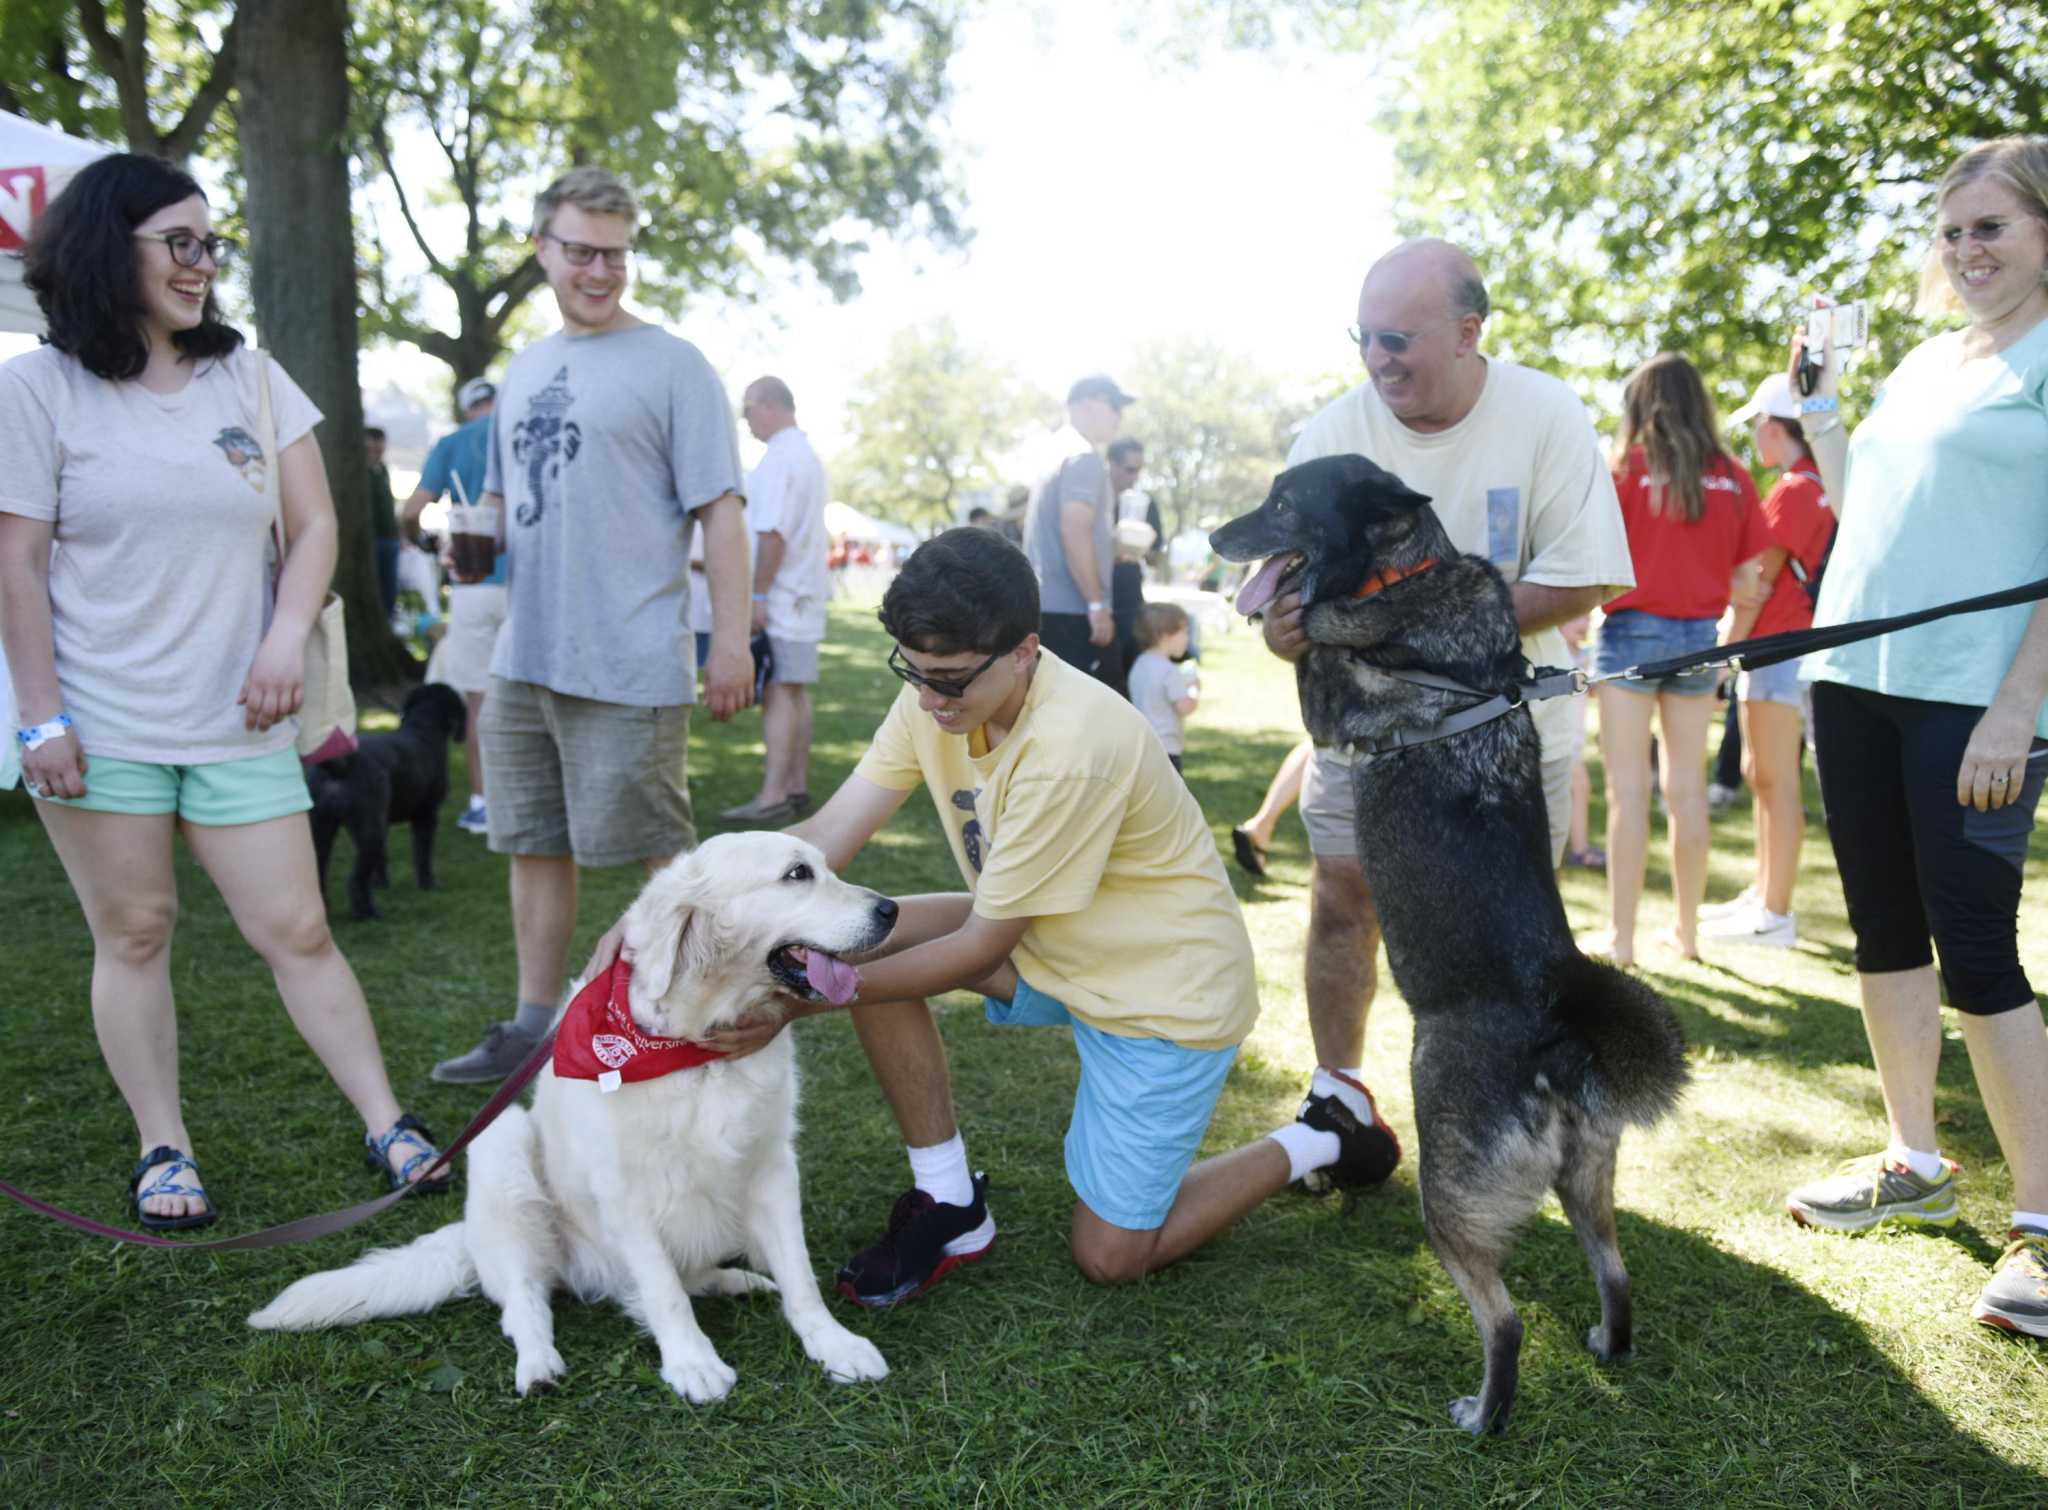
(1932, 744)
(154, 681)
(1692, 518)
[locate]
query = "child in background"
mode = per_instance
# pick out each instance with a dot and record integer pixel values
(1161, 690)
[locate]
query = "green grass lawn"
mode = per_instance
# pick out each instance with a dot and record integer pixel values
(1305, 1357)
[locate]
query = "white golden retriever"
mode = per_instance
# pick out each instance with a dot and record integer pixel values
(641, 1190)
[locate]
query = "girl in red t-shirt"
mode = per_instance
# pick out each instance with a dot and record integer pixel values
(1772, 704)
(1692, 518)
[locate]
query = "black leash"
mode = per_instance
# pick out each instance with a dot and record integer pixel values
(1746, 655)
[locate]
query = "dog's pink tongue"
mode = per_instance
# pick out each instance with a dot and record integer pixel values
(833, 979)
(1262, 586)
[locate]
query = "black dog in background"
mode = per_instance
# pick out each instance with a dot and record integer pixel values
(395, 777)
(1529, 1058)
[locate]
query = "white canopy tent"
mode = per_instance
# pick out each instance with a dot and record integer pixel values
(844, 519)
(35, 164)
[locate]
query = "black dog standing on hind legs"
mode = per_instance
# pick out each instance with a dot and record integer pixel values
(400, 776)
(1529, 1058)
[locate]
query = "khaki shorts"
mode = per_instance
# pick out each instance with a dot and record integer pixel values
(603, 782)
(796, 662)
(475, 615)
(1327, 808)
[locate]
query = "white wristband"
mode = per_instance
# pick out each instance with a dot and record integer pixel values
(41, 734)
(1095, 608)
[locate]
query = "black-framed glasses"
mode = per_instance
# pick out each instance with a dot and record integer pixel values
(1393, 342)
(947, 687)
(582, 253)
(185, 248)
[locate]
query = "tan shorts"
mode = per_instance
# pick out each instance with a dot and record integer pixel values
(1327, 807)
(796, 662)
(603, 782)
(475, 615)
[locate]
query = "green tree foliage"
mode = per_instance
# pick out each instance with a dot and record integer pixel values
(932, 422)
(1215, 426)
(1666, 174)
(153, 77)
(757, 136)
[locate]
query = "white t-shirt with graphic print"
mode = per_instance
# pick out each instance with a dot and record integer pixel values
(159, 578)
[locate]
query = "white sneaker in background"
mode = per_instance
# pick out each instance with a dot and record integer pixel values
(1757, 925)
(474, 818)
(1745, 900)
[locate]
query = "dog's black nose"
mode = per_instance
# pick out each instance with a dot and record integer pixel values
(886, 910)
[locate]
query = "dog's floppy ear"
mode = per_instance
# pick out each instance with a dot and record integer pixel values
(668, 930)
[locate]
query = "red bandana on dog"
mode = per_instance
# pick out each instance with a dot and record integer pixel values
(598, 1039)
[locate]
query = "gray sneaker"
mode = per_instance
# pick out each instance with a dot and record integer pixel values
(2016, 1300)
(1869, 1190)
(503, 1050)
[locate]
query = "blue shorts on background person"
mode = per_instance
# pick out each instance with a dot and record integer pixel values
(1635, 638)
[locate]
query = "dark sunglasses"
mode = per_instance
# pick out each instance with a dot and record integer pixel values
(1392, 342)
(185, 247)
(582, 253)
(946, 687)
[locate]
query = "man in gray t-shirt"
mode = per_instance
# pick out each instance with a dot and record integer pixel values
(613, 442)
(1068, 535)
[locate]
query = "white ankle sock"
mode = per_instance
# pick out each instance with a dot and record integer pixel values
(1326, 1083)
(1306, 1148)
(941, 1172)
(2038, 1220)
(1926, 1165)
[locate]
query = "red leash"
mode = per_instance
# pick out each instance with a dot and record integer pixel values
(327, 1223)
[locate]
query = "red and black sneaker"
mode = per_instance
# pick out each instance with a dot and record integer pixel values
(926, 1241)
(1368, 1151)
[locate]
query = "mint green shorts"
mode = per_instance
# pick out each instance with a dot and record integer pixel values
(253, 789)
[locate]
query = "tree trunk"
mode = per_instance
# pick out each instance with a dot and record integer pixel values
(294, 117)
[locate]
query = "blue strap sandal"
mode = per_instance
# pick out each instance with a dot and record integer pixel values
(410, 1132)
(180, 1162)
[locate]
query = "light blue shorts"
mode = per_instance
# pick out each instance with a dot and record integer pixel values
(1139, 1112)
(252, 789)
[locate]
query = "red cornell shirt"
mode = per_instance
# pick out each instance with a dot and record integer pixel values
(1801, 523)
(1683, 570)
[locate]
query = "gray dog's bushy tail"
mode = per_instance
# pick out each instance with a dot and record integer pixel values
(1638, 1053)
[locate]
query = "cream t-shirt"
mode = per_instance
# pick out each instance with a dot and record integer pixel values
(1078, 822)
(1520, 480)
(159, 578)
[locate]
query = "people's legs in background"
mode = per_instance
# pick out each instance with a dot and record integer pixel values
(1253, 837)
(387, 574)
(1774, 739)
(1625, 758)
(1683, 718)
(1726, 783)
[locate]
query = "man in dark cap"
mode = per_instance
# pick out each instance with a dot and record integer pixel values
(1068, 534)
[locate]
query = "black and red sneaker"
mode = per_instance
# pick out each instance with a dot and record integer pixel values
(1368, 1151)
(926, 1241)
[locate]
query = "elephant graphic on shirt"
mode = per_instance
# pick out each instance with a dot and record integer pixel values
(544, 442)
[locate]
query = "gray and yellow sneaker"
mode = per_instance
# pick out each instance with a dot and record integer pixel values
(2016, 1300)
(1870, 1190)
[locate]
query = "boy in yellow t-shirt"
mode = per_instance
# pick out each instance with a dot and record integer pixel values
(1096, 900)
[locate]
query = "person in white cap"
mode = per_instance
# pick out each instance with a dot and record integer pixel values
(476, 610)
(1772, 703)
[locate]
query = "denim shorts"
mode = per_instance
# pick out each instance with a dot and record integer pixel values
(1632, 637)
(250, 789)
(1772, 684)
(1139, 1112)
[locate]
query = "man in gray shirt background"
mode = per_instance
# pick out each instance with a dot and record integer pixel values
(613, 442)
(1068, 535)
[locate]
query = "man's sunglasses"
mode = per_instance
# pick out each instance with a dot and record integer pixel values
(1392, 342)
(947, 687)
(185, 248)
(582, 253)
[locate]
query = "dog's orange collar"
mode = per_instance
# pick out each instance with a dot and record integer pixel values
(1381, 580)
